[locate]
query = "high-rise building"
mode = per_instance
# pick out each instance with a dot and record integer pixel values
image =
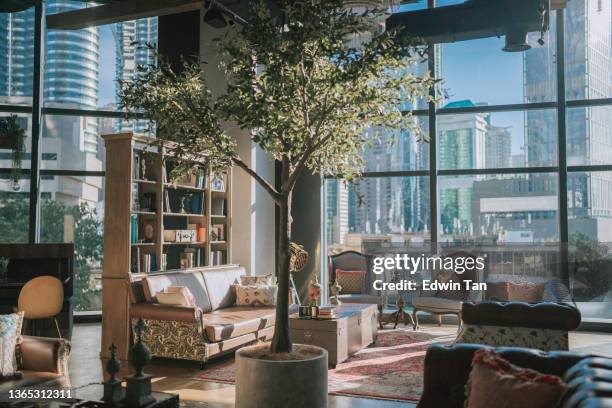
(588, 73)
(134, 41)
(461, 145)
(16, 53)
(70, 70)
(337, 208)
(498, 147)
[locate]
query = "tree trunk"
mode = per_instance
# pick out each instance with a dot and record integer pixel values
(281, 342)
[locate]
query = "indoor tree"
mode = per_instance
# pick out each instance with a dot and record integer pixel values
(307, 83)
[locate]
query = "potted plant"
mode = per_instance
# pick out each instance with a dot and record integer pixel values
(308, 95)
(12, 136)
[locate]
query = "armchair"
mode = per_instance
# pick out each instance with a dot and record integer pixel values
(354, 261)
(42, 362)
(442, 302)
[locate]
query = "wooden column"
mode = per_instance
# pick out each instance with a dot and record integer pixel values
(116, 272)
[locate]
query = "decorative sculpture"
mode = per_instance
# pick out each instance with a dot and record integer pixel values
(138, 391)
(335, 290)
(113, 392)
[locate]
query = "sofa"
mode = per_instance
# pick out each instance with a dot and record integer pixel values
(214, 326)
(544, 326)
(447, 369)
(43, 362)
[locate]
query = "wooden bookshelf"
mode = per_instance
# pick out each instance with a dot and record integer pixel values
(142, 208)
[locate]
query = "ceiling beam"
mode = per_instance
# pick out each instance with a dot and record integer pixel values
(119, 11)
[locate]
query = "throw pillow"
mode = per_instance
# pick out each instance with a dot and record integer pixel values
(256, 295)
(176, 296)
(352, 282)
(10, 335)
(529, 292)
(495, 382)
(256, 280)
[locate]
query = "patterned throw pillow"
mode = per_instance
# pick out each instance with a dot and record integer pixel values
(256, 295)
(494, 379)
(352, 282)
(10, 334)
(256, 280)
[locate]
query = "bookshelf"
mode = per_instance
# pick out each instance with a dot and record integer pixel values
(154, 224)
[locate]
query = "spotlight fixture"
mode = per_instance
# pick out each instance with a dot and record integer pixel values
(218, 16)
(516, 40)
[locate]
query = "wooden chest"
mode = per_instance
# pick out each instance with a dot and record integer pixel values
(354, 329)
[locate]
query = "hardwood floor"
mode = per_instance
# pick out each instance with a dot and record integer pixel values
(177, 376)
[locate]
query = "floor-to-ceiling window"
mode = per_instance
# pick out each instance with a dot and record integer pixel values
(519, 161)
(77, 85)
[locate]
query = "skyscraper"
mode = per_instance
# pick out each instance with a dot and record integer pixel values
(588, 73)
(70, 81)
(133, 40)
(461, 145)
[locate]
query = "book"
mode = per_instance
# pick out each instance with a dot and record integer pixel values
(134, 228)
(135, 260)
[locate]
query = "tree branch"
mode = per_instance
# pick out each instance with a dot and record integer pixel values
(276, 196)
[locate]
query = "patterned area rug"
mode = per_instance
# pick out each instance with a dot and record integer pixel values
(390, 369)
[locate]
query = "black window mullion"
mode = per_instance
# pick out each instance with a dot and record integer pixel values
(33, 229)
(562, 147)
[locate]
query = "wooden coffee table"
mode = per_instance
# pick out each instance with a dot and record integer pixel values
(354, 329)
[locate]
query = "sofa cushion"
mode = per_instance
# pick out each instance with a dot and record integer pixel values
(232, 322)
(220, 286)
(193, 280)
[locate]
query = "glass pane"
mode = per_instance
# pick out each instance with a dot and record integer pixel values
(16, 57)
(479, 72)
(14, 209)
(82, 66)
(589, 135)
(588, 50)
(391, 152)
(72, 143)
(590, 239)
(71, 210)
(517, 208)
(24, 120)
(497, 140)
(376, 209)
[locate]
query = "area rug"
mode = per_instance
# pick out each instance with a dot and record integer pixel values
(390, 369)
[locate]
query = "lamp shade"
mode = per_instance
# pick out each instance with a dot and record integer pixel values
(298, 257)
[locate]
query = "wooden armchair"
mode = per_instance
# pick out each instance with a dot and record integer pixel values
(354, 261)
(443, 302)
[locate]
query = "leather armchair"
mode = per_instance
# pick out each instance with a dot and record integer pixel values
(42, 361)
(447, 369)
(543, 326)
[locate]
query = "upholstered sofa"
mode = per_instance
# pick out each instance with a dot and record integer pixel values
(544, 326)
(43, 362)
(213, 327)
(447, 369)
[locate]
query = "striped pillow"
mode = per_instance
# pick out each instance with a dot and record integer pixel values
(10, 334)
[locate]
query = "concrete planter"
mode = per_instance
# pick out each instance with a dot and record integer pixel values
(264, 383)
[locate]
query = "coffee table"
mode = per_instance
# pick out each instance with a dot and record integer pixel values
(355, 328)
